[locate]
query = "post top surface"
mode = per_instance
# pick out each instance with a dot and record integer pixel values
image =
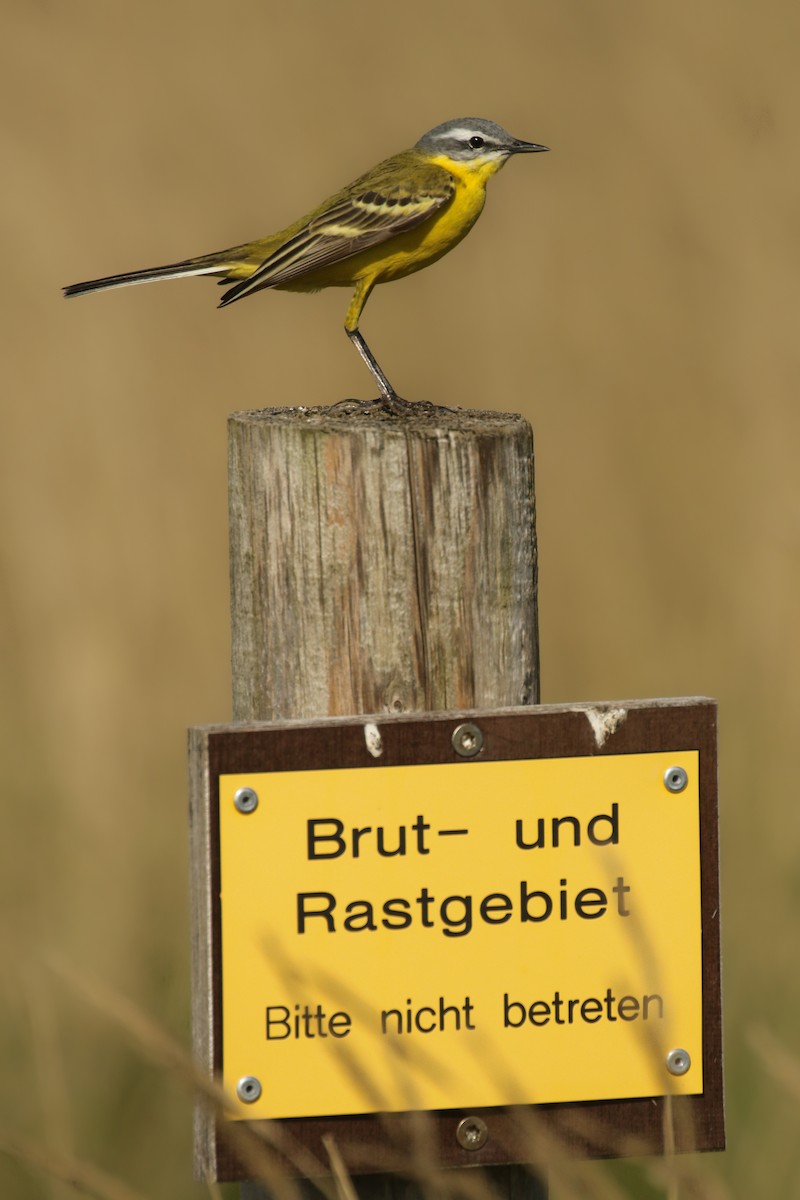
(424, 416)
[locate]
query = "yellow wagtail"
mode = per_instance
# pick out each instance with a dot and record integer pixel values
(397, 218)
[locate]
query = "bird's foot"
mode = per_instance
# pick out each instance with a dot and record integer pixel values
(393, 404)
(389, 403)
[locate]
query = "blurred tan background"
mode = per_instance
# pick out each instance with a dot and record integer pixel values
(634, 293)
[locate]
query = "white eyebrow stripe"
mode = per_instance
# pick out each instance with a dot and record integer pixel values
(463, 131)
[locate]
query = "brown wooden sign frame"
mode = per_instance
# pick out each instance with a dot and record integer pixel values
(372, 1143)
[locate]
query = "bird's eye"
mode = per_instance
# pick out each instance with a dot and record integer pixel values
(476, 142)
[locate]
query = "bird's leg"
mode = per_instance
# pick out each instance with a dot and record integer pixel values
(389, 399)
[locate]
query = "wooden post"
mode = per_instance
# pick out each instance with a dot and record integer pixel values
(382, 565)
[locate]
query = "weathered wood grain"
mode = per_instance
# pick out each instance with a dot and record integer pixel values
(381, 564)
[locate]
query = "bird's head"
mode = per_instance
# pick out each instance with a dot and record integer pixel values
(473, 141)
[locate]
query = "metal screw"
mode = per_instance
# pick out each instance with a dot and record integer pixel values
(472, 1133)
(246, 800)
(678, 1061)
(467, 740)
(675, 779)
(248, 1089)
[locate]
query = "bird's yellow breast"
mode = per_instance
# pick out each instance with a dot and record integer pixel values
(419, 247)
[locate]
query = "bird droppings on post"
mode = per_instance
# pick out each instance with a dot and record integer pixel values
(605, 722)
(373, 739)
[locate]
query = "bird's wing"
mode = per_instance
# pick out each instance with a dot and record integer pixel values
(372, 210)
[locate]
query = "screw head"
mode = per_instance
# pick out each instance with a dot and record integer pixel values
(245, 800)
(678, 1061)
(467, 740)
(472, 1133)
(675, 779)
(248, 1089)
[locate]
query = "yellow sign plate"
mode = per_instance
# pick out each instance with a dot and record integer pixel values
(461, 935)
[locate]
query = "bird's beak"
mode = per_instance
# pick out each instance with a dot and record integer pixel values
(527, 147)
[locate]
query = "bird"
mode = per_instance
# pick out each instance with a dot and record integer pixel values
(402, 215)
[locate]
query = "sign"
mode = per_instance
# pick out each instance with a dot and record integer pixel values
(461, 934)
(464, 913)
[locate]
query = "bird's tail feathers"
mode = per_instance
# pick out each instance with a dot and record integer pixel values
(210, 265)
